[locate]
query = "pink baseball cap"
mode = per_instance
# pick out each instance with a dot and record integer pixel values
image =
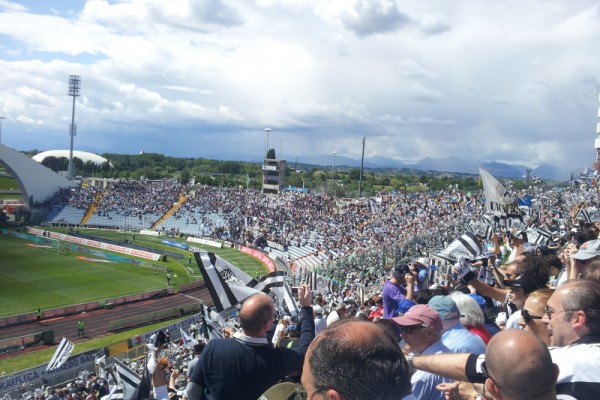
(420, 314)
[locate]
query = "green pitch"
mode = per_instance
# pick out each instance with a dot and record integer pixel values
(32, 277)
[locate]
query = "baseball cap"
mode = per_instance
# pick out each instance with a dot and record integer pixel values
(589, 249)
(405, 305)
(445, 307)
(522, 281)
(283, 391)
(400, 271)
(420, 314)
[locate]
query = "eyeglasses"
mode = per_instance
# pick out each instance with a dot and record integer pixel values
(527, 317)
(549, 312)
(409, 329)
(302, 394)
(487, 374)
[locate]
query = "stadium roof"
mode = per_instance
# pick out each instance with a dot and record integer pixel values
(82, 155)
(36, 182)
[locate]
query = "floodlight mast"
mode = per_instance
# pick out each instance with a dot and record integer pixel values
(1, 120)
(268, 130)
(74, 87)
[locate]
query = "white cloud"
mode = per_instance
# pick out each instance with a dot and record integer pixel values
(506, 80)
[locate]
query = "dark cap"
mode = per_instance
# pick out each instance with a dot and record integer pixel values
(525, 282)
(401, 270)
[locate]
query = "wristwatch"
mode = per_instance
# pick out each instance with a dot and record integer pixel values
(409, 357)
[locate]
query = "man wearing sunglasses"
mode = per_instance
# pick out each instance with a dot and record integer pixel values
(421, 328)
(573, 318)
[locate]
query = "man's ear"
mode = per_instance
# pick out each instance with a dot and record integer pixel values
(332, 394)
(493, 389)
(580, 319)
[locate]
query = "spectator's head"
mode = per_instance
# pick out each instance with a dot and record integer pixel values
(573, 312)
(373, 364)
(399, 273)
(588, 252)
(198, 348)
(518, 366)
(447, 309)
(420, 327)
(470, 311)
(533, 312)
(520, 288)
(592, 270)
(257, 315)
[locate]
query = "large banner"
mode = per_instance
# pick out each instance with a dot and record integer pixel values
(99, 245)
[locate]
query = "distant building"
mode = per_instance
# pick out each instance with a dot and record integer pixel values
(82, 155)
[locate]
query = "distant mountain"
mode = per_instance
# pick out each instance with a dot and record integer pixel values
(448, 164)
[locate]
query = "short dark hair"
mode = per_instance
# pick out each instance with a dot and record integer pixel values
(198, 347)
(374, 369)
(584, 295)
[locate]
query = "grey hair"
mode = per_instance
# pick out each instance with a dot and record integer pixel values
(470, 311)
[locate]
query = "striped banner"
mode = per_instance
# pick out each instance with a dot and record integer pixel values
(61, 354)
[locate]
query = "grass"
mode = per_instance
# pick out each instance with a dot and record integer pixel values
(33, 277)
(30, 360)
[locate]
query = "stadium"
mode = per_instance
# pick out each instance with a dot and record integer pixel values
(140, 241)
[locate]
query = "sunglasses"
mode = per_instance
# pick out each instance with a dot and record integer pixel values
(487, 374)
(527, 317)
(409, 329)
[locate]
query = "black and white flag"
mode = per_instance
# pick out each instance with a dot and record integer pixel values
(224, 296)
(275, 283)
(127, 378)
(209, 329)
(62, 353)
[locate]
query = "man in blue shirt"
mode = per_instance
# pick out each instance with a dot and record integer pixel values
(456, 337)
(421, 328)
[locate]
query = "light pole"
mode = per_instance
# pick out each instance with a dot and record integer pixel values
(333, 170)
(74, 86)
(1, 120)
(268, 130)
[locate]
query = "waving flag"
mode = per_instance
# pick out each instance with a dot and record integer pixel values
(224, 295)
(62, 353)
(188, 341)
(497, 199)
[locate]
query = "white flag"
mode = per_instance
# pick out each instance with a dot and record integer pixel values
(497, 199)
(188, 342)
(62, 353)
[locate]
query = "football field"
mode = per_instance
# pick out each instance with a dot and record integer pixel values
(33, 276)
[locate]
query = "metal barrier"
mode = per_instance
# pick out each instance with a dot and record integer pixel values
(144, 319)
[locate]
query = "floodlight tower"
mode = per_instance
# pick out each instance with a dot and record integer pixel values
(597, 143)
(268, 130)
(74, 87)
(333, 170)
(1, 120)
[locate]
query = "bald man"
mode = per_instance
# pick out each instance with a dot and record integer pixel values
(246, 366)
(573, 319)
(356, 360)
(519, 367)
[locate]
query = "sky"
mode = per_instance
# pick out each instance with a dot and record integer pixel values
(510, 81)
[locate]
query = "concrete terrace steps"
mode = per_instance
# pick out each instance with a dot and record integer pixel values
(170, 211)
